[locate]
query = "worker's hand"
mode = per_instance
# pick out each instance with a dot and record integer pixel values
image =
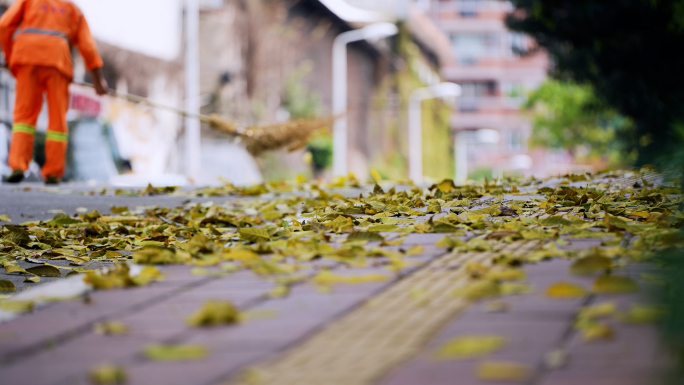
(100, 86)
(99, 83)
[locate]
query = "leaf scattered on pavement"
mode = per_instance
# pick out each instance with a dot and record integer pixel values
(170, 352)
(469, 346)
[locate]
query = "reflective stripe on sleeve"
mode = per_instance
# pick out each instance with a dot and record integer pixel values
(45, 32)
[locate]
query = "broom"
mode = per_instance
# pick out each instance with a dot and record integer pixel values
(291, 135)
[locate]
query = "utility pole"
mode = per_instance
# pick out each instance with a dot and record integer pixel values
(193, 161)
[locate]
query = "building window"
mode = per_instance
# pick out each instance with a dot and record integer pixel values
(518, 43)
(515, 141)
(474, 45)
(478, 89)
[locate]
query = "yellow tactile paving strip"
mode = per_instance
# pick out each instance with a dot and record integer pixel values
(390, 328)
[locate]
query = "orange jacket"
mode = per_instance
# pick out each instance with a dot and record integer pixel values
(41, 33)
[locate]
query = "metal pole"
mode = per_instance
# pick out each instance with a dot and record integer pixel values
(339, 105)
(415, 138)
(339, 89)
(461, 158)
(415, 129)
(193, 161)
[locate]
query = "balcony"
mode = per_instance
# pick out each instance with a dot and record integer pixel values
(473, 7)
(489, 104)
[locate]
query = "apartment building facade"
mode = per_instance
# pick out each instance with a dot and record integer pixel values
(495, 79)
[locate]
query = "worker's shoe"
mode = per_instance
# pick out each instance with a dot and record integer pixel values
(16, 177)
(52, 180)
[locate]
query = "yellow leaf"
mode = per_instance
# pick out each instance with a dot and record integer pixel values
(511, 288)
(503, 371)
(13, 267)
(496, 307)
(6, 286)
(469, 346)
(507, 274)
(642, 314)
(44, 271)
(595, 331)
(480, 290)
(152, 255)
(111, 328)
(158, 352)
(415, 250)
(215, 313)
(242, 255)
(604, 309)
(383, 228)
(613, 284)
(17, 306)
(5, 218)
(108, 374)
(565, 290)
(591, 265)
(376, 175)
(252, 234)
(326, 277)
(279, 291)
(556, 359)
(447, 185)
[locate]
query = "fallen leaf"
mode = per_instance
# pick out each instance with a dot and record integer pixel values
(415, 250)
(5, 218)
(159, 352)
(614, 284)
(33, 278)
(469, 346)
(16, 306)
(152, 255)
(591, 265)
(119, 209)
(110, 328)
(565, 290)
(255, 235)
(44, 271)
(365, 236)
(215, 313)
(383, 228)
(604, 309)
(503, 371)
(642, 314)
(556, 359)
(326, 277)
(480, 290)
(596, 331)
(496, 307)
(108, 374)
(6, 286)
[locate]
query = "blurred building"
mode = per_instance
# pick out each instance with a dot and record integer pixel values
(261, 61)
(495, 80)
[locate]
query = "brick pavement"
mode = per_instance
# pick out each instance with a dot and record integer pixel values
(56, 344)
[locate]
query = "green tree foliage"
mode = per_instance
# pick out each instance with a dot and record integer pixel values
(628, 50)
(570, 116)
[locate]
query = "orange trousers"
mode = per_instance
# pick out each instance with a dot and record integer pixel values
(32, 83)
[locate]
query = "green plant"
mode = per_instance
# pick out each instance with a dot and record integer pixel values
(568, 115)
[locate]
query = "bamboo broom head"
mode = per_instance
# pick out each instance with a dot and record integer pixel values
(290, 135)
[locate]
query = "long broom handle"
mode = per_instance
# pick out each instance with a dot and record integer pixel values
(140, 99)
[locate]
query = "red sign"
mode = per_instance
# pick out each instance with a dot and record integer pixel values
(85, 105)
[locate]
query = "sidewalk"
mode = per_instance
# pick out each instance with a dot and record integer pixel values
(318, 308)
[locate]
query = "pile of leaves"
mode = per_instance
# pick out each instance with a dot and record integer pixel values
(299, 231)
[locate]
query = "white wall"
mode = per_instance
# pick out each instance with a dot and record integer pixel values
(150, 27)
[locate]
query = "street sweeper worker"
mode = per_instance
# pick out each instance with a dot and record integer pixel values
(36, 37)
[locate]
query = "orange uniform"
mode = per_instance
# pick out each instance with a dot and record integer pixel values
(36, 37)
